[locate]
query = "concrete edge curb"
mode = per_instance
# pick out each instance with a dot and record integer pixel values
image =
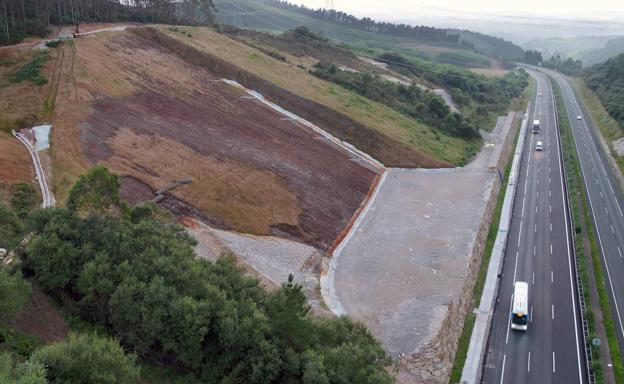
(327, 280)
(478, 340)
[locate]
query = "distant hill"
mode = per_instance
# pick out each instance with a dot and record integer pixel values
(607, 81)
(590, 50)
(463, 48)
(612, 48)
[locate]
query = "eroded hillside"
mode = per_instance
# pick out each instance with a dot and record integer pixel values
(131, 104)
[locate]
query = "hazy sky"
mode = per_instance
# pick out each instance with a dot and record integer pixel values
(561, 8)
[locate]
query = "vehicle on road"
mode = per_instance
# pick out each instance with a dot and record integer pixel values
(579, 117)
(539, 146)
(520, 309)
(536, 126)
(539, 94)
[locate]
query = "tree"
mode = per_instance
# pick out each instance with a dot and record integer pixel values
(10, 228)
(533, 57)
(24, 198)
(23, 373)
(87, 359)
(95, 192)
(14, 291)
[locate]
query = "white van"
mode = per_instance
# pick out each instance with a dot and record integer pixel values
(539, 146)
(520, 310)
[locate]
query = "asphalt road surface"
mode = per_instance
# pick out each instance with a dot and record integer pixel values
(539, 253)
(606, 201)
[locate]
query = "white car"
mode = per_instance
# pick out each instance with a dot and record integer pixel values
(539, 146)
(539, 94)
(579, 117)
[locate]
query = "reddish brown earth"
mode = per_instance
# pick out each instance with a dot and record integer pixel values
(40, 318)
(252, 170)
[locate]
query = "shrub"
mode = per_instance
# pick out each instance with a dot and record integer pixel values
(14, 291)
(32, 70)
(88, 359)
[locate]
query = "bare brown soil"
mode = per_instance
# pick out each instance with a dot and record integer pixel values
(135, 106)
(384, 148)
(41, 319)
(16, 164)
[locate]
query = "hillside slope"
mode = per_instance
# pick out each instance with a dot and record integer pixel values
(607, 81)
(146, 112)
(264, 16)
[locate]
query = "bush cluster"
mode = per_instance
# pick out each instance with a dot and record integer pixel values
(135, 273)
(421, 105)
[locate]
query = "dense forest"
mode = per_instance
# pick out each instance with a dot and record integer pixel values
(421, 33)
(491, 45)
(20, 18)
(607, 81)
(131, 272)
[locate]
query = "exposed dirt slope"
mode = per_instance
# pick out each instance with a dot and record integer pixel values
(364, 118)
(135, 106)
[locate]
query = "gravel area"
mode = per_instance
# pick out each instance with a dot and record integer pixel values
(272, 257)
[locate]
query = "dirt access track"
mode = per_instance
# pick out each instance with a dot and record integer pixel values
(129, 102)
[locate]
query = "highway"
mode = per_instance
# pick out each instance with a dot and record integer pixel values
(605, 198)
(538, 252)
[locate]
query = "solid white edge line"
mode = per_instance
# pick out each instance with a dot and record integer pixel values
(503, 371)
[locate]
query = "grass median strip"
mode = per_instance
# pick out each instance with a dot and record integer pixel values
(580, 210)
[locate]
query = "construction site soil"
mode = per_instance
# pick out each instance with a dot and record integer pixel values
(252, 170)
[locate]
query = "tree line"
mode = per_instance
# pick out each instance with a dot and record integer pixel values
(21, 18)
(132, 271)
(419, 104)
(607, 81)
(568, 66)
(422, 33)
(480, 98)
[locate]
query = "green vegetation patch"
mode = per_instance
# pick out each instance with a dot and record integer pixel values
(479, 98)
(136, 275)
(32, 70)
(423, 106)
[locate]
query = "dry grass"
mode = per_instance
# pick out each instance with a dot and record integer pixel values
(16, 163)
(288, 76)
(246, 198)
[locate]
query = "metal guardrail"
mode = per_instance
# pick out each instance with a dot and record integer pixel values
(579, 286)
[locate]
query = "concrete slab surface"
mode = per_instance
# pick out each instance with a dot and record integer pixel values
(409, 256)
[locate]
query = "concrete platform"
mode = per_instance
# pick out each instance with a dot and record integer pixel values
(409, 256)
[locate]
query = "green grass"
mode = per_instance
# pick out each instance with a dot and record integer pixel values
(6, 62)
(32, 70)
(573, 174)
(15, 342)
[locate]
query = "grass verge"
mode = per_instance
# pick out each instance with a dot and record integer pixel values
(609, 128)
(580, 207)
